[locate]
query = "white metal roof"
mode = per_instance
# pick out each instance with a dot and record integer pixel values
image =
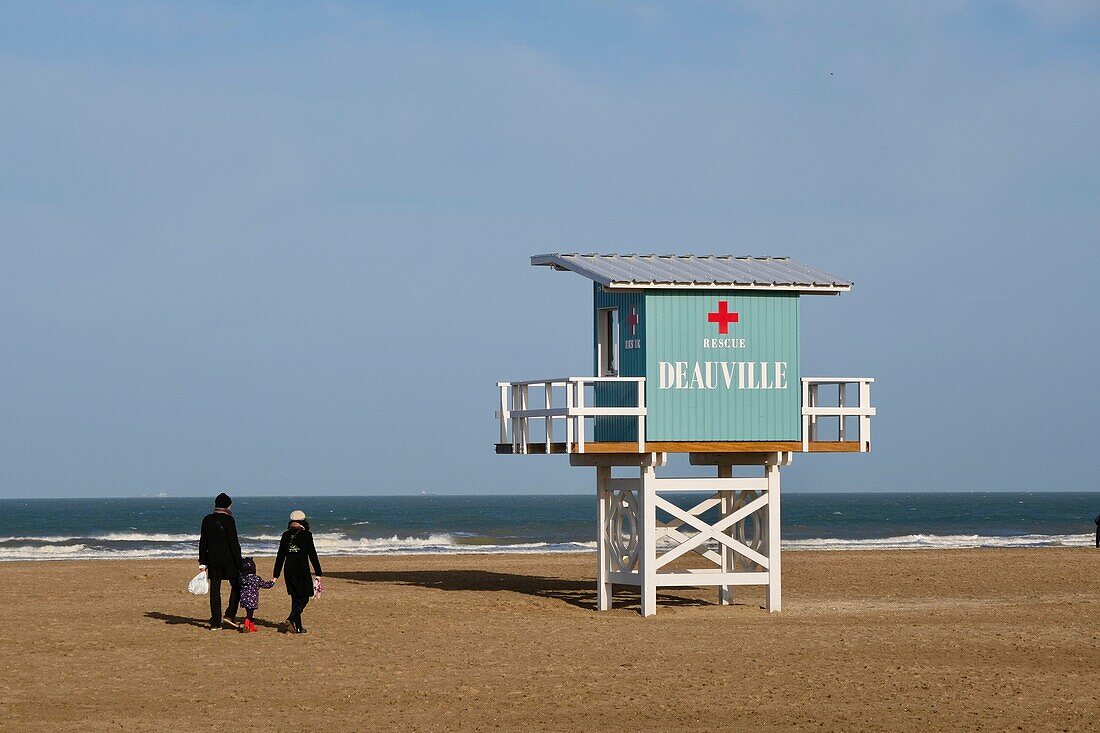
(633, 271)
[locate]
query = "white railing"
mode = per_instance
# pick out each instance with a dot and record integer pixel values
(813, 410)
(516, 411)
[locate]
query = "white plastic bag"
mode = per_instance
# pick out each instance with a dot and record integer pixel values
(199, 585)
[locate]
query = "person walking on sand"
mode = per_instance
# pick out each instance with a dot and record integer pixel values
(297, 552)
(220, 557)
(250, 592)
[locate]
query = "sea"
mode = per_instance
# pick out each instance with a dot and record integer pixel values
(70, 529)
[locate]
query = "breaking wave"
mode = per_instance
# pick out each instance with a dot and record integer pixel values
(123, 545)
(136, 545)
(942, 542)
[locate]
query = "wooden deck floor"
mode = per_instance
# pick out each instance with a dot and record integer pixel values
(831, 446)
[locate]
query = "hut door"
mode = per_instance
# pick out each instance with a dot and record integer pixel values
(608, 356)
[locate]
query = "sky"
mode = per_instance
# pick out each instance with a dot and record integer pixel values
(282, 248)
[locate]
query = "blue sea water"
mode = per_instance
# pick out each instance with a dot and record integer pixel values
(43, 529)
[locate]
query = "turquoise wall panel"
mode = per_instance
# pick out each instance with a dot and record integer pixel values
(705, 385)
(632, 363)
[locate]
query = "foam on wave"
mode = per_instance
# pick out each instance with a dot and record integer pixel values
(328, 544)
(942, 542)
(109, 537)
(156, 546)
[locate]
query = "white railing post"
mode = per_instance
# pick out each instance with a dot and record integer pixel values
(805, 416)
(580, 416)
(548, 392)
(503, 412)
(641, 417)
(864, 419)
(813, 418)
(840, 390)
(515, 420)
(569, 416)
(524, 391)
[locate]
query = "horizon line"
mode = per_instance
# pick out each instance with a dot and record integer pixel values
(519, 495)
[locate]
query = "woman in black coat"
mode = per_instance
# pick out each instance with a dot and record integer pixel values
(296, 552)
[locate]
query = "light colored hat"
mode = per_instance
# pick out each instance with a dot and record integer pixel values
(297, 515)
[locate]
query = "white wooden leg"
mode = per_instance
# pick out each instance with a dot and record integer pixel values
(725, 592)
(603, 516)
(775, 590)
(647, 560)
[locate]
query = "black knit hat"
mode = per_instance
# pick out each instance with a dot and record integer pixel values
(222, 501)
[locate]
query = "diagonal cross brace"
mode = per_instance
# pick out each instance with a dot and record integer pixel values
(696, 510)
(672, 529)
(681, 538)
(712, 531)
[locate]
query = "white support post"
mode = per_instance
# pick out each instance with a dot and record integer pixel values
(725, 592)
(647, 559)
(641, 418)
(775, 590)
(603, 516)
(503, 413)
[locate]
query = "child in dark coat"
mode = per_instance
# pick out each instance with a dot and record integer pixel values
(250, 591)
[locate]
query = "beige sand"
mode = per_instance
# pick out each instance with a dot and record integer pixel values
(967, 640)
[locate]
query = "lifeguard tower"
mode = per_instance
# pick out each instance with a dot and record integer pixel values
(696, 355)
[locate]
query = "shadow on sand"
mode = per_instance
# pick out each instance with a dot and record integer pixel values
(203, 623)
(579, 593)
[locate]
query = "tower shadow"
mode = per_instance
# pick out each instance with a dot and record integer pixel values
(578, 593)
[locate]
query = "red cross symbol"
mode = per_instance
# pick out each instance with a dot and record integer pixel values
(722, 317)
(632, 319)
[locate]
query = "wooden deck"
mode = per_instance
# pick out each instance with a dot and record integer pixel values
(817, 446)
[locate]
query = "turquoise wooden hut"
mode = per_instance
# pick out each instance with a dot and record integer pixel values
(697, 355)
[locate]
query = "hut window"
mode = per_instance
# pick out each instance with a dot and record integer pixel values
(608, 350)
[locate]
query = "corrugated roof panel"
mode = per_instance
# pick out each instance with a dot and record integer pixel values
(703, 271)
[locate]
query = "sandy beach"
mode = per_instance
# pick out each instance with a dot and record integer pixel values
(917, 640)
